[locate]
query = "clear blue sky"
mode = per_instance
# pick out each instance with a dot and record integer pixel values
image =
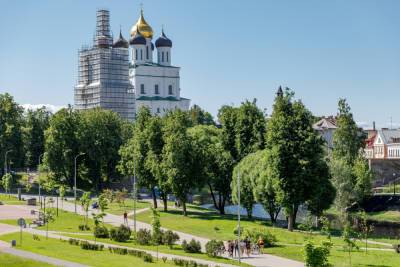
(229, 51)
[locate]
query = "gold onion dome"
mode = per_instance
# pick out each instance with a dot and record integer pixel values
(144, 28)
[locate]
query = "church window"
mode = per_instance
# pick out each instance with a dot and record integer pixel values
(162, 57)
(147, 52)
(170, 90)
(158, 110)
(167, 57)
(141, 54)
(158, 56)
(136, 54)
(142, 89)
(156, 89)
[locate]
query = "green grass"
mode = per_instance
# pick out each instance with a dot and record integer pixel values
(62, 250)
(11, 200)
(15, 261)
(339, 258)
(388, 216)
(214, 226)
(176, 250)
(119, 209)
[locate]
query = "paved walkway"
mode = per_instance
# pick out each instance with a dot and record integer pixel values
(263, 260)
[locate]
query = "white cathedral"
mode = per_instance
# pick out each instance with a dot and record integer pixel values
(122, 75)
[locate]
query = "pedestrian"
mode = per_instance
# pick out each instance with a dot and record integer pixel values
(231, 247)
(126, 218)
(248, 246)
(260, 244)
(236, 248)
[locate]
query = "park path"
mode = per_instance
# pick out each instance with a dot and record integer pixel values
(6, 248)
(262, 260)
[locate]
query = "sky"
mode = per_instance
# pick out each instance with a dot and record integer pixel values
(228, 51)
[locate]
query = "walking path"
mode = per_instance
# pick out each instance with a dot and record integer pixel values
(263, 260)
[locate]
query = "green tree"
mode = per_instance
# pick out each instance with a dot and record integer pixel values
(49, 216)
(61, 192)
(245, 172)
(296, 153)
(347, 138)
(179, 161)
(363, 178)
(365, 228)
(134, 154)
(85, 203)
(6, 182)
(35, 125)
(342, 177)
(216, 162)
(103, 202)
(156, 227)
(62, 145)
(100, 138)
(200, 117)
(10, 131)
(348, 236)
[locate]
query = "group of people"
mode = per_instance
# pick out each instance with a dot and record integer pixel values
(233, 247)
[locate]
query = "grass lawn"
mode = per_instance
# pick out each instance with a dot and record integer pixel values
(214, 226)
(11, 200)
(65, 251)
(119, 209)
(176, 250)
(339, 258)
(389, 216)
(15, 261)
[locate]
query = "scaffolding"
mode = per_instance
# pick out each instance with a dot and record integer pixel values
(103, 74)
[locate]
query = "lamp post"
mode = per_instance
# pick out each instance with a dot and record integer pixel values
(80, 154)
(5, 161)
(134, 196)
(238, 188)
(394, 184)
(40, 199)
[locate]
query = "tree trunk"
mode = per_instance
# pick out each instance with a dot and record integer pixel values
(184, 208)
(154, 197)
(213, 196)
(165, 202)
(292, 217)
(222, 204)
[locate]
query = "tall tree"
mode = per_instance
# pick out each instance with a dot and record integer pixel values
(297, 153)
(100, 137)
(250, 129)
(216, 162)
(135, 152)
(347, 138)
(10, 131)
(179, 160)
(61, 145)
(199, 116)
(36, 123)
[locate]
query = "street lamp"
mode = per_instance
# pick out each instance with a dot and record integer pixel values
(80, 154)
(5, 161)
(134, 194)
(394, 184)
(40, 199)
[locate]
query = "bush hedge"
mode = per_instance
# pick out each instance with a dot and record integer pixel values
(192, 247)
(143, 237)
(120, 234)
(100, 231)
(213, 247)
(89, 246)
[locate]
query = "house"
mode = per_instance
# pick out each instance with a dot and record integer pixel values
(326, 126)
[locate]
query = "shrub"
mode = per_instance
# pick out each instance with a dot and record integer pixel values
(36, 237)
(72, 241)
(120, 234)
(89, 246)
(100, 231)
(164, 259)
(192, 247)
(143, 237)
(213, 247)
(147, 258)
(116, 250)
(84, 227)
(254, 235)
(317, 256)
(181, 262)
(235, 231)
(169, 238)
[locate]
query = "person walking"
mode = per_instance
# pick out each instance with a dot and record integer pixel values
(260, 244)
(126, 218)
(248, 246)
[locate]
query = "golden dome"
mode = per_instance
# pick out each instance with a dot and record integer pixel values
(144, 28)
